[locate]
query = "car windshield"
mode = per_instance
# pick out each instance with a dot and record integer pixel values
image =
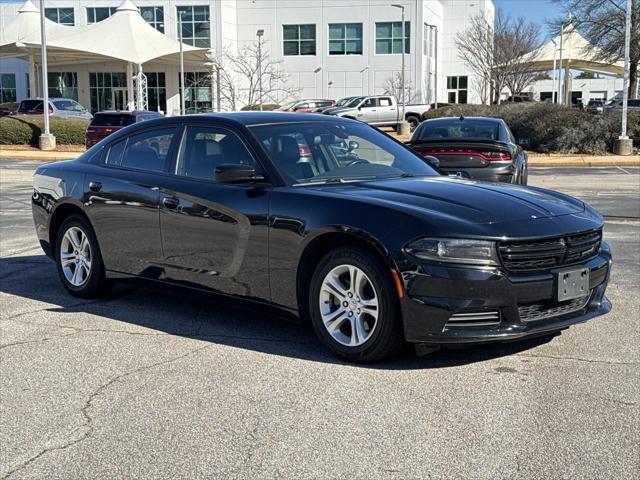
(455, 128)
(323, 152)
(288, 105)
(68, 105)
(112, 120)
(355, 102)
(343, 101)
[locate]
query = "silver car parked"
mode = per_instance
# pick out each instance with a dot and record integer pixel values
(58, 107)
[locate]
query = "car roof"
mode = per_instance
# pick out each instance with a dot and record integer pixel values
(126, 112)
(260, 118)
(50, 99)
(462, 119)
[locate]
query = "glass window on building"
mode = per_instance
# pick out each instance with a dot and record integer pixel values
(63, 16)
(193, 22)
(389, 38)
(154, 16)
(345, 39)
(97, 14)
(108, 91)
(299, 39)
(457, 89)
(197, 95)
(7, 87)
(156, 91)
(63, 84)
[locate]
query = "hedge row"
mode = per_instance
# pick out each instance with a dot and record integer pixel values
(267, 107)
(26, 130)
(545, 127)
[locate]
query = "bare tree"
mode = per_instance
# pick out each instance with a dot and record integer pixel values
(500, 54)
(393, 86)
(240, 75)
(519, 48)
(602, 23)
(476, 48)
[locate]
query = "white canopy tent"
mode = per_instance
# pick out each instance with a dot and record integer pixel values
(576, 54)
(124, 36)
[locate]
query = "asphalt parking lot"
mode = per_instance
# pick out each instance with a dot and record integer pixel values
(149, 384)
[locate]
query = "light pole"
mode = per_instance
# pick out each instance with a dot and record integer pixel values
(401, 7)
(560, 92)
(553, 82)
(435, 74)
(624, 145)
(47, 141)
(259, 34)
(362, 79)
(182, 87)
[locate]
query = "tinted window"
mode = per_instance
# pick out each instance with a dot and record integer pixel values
(30, 104)
(317, 152)
(146, 150)
(112, 120)
(370, 102)
(455, 128)
(204, 148)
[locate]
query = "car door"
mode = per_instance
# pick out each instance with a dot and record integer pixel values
(368, 111)
(387, 110)
(214, 235)
(122, 195)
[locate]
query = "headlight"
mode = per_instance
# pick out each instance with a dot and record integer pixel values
(453, 250)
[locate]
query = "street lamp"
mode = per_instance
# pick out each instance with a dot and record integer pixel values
(401, 7)
(47, 141)
(259, 34)
(553, 82)
(624, 145)
(362, 80)
(317, 71)
(435, 73)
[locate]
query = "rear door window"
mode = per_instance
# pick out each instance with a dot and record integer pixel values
(147, 151)
(30, 105)
(385, 102)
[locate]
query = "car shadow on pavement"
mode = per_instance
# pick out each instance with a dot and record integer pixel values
(191, 314)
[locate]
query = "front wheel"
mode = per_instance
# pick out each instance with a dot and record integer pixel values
(79, 260)
(354, 307)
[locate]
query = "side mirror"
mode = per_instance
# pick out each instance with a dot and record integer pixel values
(359, 107)
(353, 145)
(236, 173)
(431, 160)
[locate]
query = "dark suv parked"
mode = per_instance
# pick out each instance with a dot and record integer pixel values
(105, 123)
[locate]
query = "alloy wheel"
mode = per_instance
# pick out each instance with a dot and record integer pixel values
(349, 305)
(75, 256)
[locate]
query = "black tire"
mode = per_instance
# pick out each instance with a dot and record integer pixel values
(387, 338)
(413, 121)
(96, 283)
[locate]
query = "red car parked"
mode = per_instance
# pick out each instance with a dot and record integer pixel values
(302, 106)
(105, 123)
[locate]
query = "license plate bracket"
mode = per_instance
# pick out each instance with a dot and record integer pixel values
(573, 283)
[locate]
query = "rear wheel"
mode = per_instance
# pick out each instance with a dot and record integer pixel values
(354, 307)
(78, 259)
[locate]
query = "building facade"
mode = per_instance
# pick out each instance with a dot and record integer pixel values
(327, 48)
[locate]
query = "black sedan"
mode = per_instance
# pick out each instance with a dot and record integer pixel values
(325, 218)
(481, 148)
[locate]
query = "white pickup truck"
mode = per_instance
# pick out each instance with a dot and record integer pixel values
(381, 111)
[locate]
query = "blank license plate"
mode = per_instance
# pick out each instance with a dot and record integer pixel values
(573, 283)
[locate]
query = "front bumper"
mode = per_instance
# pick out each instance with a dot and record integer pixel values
(437, 294)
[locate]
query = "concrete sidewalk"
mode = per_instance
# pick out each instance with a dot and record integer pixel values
(535, 160)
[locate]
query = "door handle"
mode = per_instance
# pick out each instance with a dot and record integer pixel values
(95, 186)
(170, 202)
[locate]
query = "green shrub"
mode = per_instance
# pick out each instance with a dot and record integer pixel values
(267, 107)
(545, 127)
(26, 130)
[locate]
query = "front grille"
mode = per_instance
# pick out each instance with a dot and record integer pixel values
(549, 253)
(538, 311)
(474, 319)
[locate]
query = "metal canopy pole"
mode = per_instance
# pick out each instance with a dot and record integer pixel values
(47, 141)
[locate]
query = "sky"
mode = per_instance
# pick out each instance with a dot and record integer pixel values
(538, 11)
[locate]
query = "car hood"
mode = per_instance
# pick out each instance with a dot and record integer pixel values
(464, 200)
